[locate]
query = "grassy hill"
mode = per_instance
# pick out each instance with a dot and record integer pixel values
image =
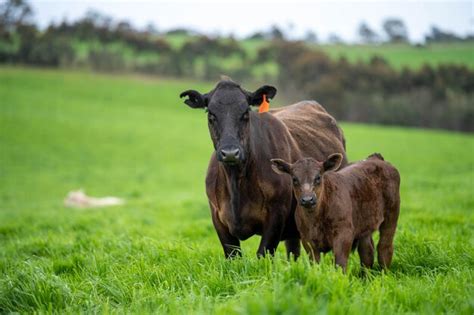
(398, 55)
(131, 136)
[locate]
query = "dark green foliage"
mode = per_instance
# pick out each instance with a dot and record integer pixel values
(435, 97)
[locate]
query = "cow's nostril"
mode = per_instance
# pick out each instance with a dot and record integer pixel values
(236, 153)
(230, 154)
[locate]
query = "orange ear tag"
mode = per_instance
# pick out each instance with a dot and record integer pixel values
(264, 106)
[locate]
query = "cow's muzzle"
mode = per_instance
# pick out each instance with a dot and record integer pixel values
(230, 155)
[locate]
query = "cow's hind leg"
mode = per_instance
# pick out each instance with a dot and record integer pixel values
(366, 251)
(293, 248)
(230, 243)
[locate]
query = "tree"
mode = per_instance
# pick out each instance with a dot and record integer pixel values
(256, 35)
(276, 33)
(151, 29)
(396, 30)
(438, 35)
(311, 37)
(366, 34)
(335, 39)
(14, 13)
(98, 19)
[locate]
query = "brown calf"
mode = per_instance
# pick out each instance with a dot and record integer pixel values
(340, 210)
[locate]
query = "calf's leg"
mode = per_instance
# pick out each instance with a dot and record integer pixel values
(230, 243)
(312, 250)
(342, 247)
(385, 245)
(387, 232)
(366, 251)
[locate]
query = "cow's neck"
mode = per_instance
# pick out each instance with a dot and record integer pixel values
(233, 183)
(239, 180)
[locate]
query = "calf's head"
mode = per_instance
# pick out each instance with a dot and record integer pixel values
(228, 113)
(307, 177)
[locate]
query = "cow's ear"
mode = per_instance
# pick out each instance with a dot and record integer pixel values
(195, 99)
(256, 97)
(333, 162)
(280, 167)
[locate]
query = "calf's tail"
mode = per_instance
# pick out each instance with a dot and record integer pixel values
(376, 156)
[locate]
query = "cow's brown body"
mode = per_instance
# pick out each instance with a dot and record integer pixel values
(352, 203)
(252, 199)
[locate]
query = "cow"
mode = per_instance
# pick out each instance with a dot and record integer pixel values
(245, 197)
(340, 210)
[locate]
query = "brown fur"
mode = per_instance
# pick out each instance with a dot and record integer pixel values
(350, 205)
(255, 200)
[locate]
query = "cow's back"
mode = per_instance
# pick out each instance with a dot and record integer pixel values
(314, 130)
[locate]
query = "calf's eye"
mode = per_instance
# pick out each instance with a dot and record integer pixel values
(317, 180)
(295, 181)
(245, 116)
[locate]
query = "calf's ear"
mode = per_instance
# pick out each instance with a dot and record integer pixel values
(256, 98)
(333, 162)
(280, 167)
(195, 99)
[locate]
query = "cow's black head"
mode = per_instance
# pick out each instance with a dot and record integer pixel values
(228, 112)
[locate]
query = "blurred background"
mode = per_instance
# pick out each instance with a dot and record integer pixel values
(407, 63)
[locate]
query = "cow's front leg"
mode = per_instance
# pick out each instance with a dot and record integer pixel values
(293, 248)
(271, 234)
(230, 243)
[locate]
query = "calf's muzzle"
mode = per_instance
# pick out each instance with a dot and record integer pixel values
(308, 201)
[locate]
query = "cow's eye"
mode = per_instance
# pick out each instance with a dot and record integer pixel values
(317, 180)
(211, 118)
(295, 181)
(245, 116)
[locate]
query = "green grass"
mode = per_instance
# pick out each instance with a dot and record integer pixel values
(132, 137)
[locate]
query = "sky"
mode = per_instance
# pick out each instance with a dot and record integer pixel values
(241, 18)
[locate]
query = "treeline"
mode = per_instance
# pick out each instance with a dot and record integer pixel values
(434, 97)
(99, 43)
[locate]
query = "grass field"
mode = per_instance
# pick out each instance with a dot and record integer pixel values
(131, 137)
